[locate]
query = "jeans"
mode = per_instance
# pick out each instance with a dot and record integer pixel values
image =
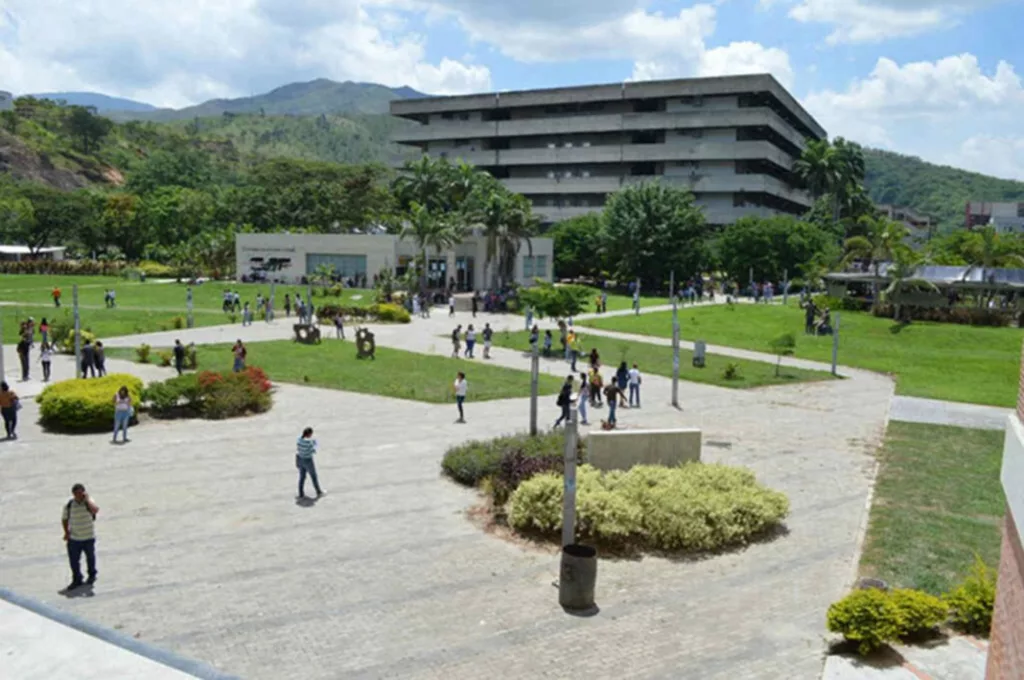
(573, 356)
(470, 344)
(307, 466)
(634, 391)
(101, 368)
(583, 411)
(612, 403)
(179, 366)
(46, 336)
(121, 419)
(239, 365)
(46, 371)
(23, 357)
(459, 401)
(339, 331)
(87, 368)
(75, 550)
(10, 419)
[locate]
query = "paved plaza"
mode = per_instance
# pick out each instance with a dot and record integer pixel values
(203, 550)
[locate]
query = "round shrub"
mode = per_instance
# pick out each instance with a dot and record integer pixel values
(920, 613)
(390, 313)
(971, 603)
(868, 617)
(687, 508)
(67, 344)
(509, 460)
(85, 405)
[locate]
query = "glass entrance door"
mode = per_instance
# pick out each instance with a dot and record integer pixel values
(464, 274)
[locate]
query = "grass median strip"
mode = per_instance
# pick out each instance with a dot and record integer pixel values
(394, 373)
(933, 360)
(657, 360)
(938, 502)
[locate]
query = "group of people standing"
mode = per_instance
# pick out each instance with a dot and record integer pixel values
(470, 337)
(592, 388)
(26, 341)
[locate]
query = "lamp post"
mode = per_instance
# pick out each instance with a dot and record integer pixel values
(675, 341)
(78, 329)
(534, 388)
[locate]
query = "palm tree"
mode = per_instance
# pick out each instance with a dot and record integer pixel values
(507, 220)
(430, 230)
(816, 167)
(902, 276)
(883, 237)
(836, 169)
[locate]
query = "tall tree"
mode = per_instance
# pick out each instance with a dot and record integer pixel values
(651, 229)
(507, 222)
(87, 128)
(577, 246)
(771, 246)
(429, 231)
(882, 239)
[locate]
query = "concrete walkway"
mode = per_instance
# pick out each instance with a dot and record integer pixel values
(204, 551)
(917, 410)
(955, 658)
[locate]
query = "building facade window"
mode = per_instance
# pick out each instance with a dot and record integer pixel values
(345, 266)
(535, 266)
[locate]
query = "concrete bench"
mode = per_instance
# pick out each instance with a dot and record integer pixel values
(622, 449)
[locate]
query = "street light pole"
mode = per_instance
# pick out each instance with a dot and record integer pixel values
(78, 330)
(675, 341)
(569, 480)
(835, 345)
(534, 388)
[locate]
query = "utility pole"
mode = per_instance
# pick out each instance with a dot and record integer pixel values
(3, 376)
(309, 302)
(78, 329)
(270, 303)
(534, 387)
(675, 341)
(785, 287)
(835, 345)
(569, 480)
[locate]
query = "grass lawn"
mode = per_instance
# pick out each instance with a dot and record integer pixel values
(657, 359)
(939, 361)
(616, 301)
(141, 307)
(394, 373)
(938, 501)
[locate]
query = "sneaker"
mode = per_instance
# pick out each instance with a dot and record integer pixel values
(92, 579)
(74, 585)
(321, 493)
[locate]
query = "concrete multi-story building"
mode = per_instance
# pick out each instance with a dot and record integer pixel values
(1005, 217)
(731, 140)
(921, 227)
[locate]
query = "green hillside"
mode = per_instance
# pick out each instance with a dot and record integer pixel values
(321, 96)
(937, 190)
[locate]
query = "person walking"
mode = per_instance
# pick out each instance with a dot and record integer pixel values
(564, 401)
(621, 380)
(547, 343)
(488, 333)
(100, 359)
(604, 301)
(79, 522)
(470, 341)
(636, 301)
(56, 296)
(476, 303)
(583, 398)
(24, 346)
(596, 386)
(113, 298)
(451, 305)
(123, 412)
(529, 317)
(534, 337)
(460, 387)
(246, 315)
(45, 357)
(179, 357)
(44, 330)
(287, 304)
(595, 358)
(305, 448)
(574, 349)
(634, 386)
(9, 406)
(88, 359)
(239, 353)
(456, 342)
(339, 327)
(612, 393)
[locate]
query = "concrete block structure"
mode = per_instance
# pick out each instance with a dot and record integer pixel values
(1007, 218)
(1006, 650)
(622, 449)
(731, 140)
(289, 257)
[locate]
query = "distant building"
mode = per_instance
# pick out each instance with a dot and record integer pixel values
(1005, 217)
(731, 140)
(921, 227)
(6, 101)
(18, 253)
(290, 257)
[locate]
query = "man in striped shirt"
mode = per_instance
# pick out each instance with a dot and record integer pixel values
(305, 449)
(78, 519)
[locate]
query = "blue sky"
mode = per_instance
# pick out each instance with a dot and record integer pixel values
(936, 78)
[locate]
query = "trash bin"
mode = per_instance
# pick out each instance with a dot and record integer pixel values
(698, 353)
(579, 575)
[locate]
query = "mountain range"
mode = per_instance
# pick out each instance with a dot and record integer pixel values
(347, 122)
(321, 96)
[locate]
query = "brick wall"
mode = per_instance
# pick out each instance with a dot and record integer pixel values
(1006, 651)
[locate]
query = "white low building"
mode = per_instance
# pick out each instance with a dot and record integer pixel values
(25, 253)
(290, 257)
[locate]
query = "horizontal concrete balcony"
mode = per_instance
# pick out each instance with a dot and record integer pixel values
(733, 184)
(706, 151)
(573, 185)
(554, 214)
(602, 123)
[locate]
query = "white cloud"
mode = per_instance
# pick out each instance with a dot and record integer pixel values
(857, 21)
(204, 48)
(741, 58)
(925, 108)
(992, 155)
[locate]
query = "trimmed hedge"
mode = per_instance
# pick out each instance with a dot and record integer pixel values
(473, 462)
(209, 394)
(385, 313)
(85, 405)
(694, 507)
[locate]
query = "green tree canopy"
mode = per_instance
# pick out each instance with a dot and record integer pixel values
(652, 229)
(773, 246)
(577, 245)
